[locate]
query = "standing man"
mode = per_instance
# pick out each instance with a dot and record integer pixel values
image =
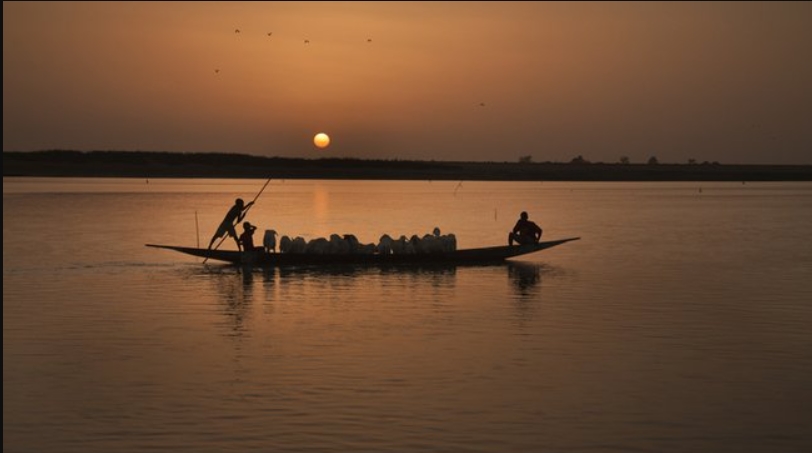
(233, 217)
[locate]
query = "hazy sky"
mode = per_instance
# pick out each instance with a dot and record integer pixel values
(728, 81)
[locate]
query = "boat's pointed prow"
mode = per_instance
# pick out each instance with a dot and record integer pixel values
(223, 255)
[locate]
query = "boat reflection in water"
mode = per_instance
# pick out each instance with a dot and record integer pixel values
(524, 277)
(245, 294)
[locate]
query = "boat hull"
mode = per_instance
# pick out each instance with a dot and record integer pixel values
(482, 255)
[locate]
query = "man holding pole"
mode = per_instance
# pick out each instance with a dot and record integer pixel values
(233, 217)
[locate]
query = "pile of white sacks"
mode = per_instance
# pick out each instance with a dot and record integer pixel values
(348, 243)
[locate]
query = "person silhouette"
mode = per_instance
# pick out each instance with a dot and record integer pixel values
(247, 237)
(232, 218)
(525, 231)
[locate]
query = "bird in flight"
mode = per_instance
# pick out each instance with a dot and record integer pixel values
(236, 30)
(307, 41)
(216, 71)
(270, 33)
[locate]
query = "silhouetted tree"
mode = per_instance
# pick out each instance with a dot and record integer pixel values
(691, 161)
(579, 160)
(653, 161)
(624, 160)
(526, 159)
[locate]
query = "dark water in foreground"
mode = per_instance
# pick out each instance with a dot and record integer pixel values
(680, 322)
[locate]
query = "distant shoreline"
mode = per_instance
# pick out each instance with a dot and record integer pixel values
(143, 164)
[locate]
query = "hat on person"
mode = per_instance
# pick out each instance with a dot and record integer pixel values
(247, 225)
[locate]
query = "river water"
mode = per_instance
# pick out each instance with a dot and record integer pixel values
(680, 321)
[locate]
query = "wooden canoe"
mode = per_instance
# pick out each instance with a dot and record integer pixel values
(483, 255)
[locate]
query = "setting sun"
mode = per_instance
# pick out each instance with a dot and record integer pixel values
(321, 140)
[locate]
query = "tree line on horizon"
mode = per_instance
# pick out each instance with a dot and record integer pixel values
(223, 158)
(624, 160)
(176, 164)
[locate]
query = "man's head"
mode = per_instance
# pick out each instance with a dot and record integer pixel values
(239, 202)
(524, 215)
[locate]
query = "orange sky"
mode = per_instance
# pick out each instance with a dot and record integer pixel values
(728, 82)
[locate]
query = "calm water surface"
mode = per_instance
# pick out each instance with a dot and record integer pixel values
(679, 322)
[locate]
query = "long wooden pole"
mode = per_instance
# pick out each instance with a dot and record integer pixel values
(243, 215)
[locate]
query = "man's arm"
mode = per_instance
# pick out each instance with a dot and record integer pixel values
(243, 212)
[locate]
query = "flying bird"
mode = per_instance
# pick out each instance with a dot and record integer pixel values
(270, 33)
(369, 39)
(216, 71)
(236, 30)
(307, 41)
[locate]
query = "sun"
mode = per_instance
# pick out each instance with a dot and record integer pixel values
(321, 140)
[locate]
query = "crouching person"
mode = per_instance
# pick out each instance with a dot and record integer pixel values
(525, 231)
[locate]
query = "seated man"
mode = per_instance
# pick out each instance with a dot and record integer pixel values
(247, 237)
(525, 232)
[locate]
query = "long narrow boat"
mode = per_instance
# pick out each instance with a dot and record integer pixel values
(482, 255)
